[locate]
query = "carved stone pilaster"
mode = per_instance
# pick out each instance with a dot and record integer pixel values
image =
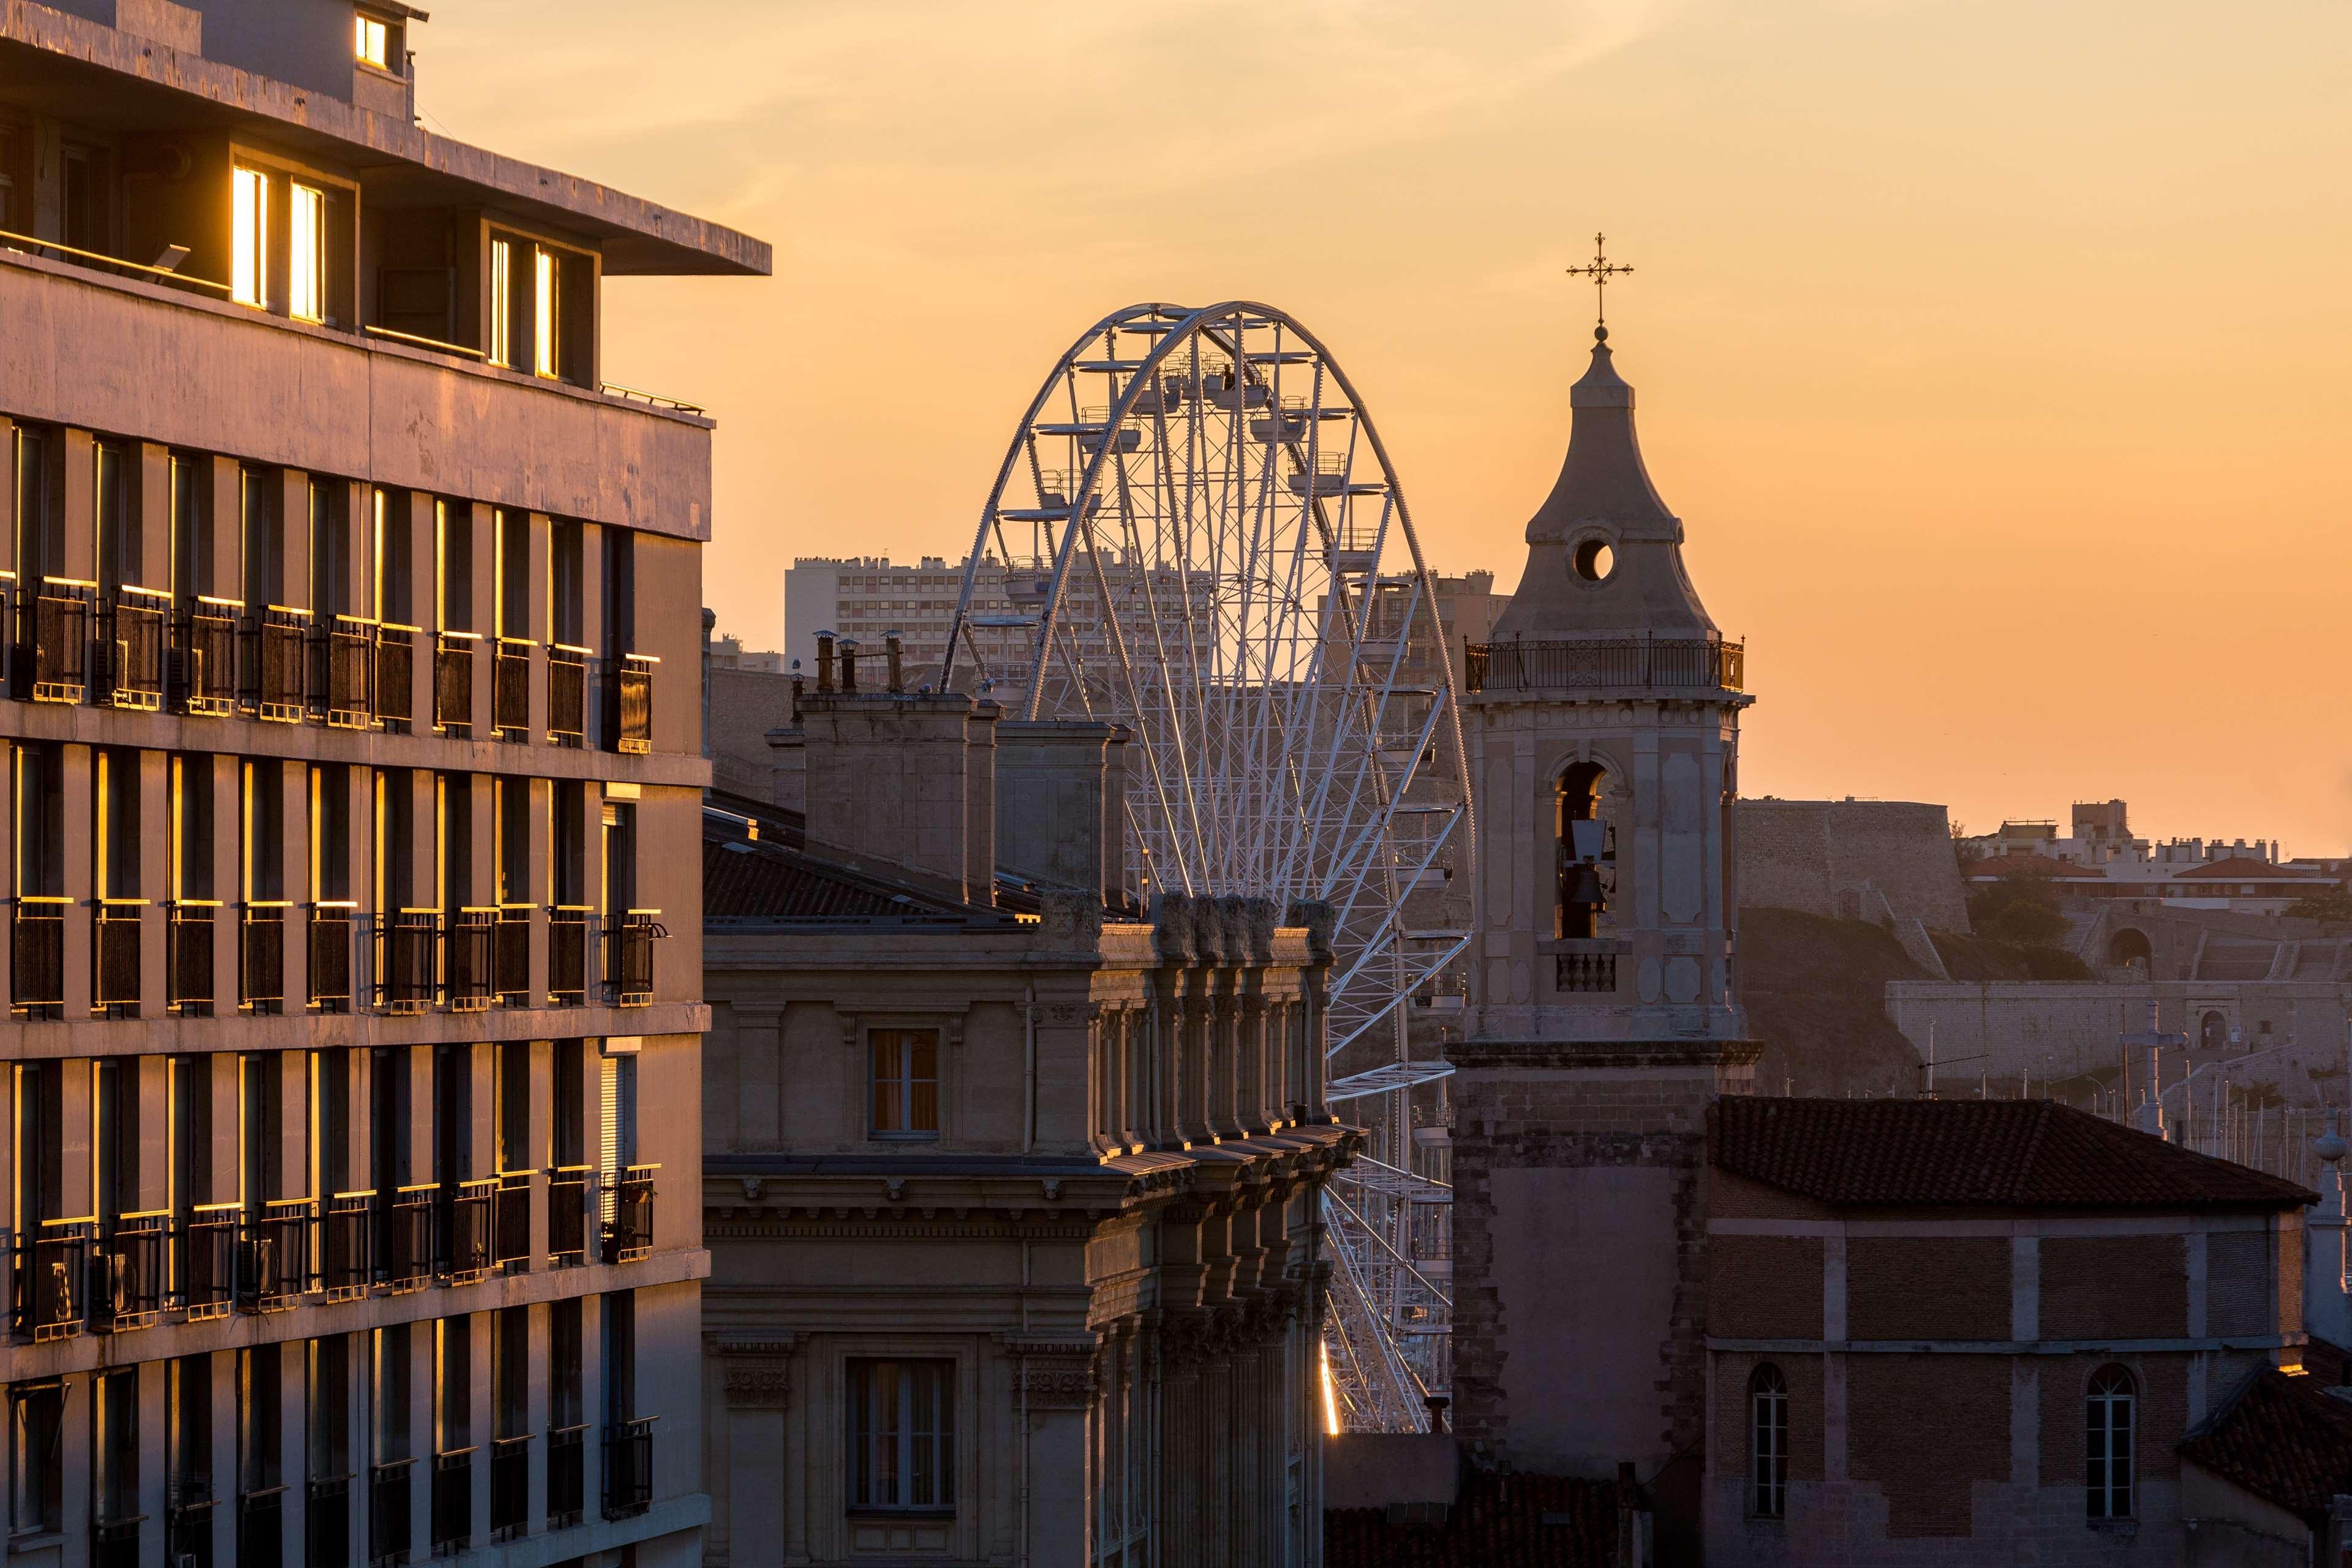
(754, 1373)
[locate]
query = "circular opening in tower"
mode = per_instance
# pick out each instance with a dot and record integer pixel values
(1594, 560)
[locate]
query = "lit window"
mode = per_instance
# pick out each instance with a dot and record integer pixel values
(545, 276)
(248, 281)
(372, 42)
(901, 1433)
(307, 258)
(2107, 1448)
(1767, 1443)
(906, 1082)
(502, 301)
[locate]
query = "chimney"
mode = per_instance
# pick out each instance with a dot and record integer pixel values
(888, 783)
(1060, 819)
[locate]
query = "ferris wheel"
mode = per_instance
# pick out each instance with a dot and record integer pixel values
(1196, 533)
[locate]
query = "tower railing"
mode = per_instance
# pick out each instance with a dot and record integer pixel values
(1684, 663)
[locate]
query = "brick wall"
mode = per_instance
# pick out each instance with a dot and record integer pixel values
(2237, 1281)
(2114, 1286)
(2161, 1421)
(1928, 1288)
(1765, 1287)
(1927, 1428)
(1801, 854)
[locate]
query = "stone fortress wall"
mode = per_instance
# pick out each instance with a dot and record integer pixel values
(1888, 861)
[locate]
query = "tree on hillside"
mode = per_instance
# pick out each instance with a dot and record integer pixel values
(2021, 907)
(2335, 904)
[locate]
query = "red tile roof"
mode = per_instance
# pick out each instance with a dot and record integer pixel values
(1498, 1522)
(2003, 1153)
(2283, 1438)
(2024, 863)
(2246, 869)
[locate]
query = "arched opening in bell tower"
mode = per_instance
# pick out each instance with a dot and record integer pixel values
(1584, 848)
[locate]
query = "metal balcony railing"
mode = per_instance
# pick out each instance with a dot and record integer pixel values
(472, 935)
(261, 955)
(204, 658)
(453, 1500)
(114, 1540)
(630, 1235)
(36, 956)
(511, 689)
(567, 1476)
(629, 957)
(567, 1216)
(132, 644)
(509, 1487)
(510, 1220)
(188, 957)
(510, 956)
(347, 1246)
(388, 1532)
(406, 975)
(327, 1522)
(453, 681)
(281, 639)
(275, 1255)
(127, 1285)
(262, 1528)
(567, 694)
(54, 618)
(393, 698)
(567, 955)
(49, 1267)
(466, 1228)
(345, 684)
(406, 1250)
(208, 1259)
(327, 941)
(629, 1466)
(188, 1522)
(633, 703)
(114, 984)
(1683, 663)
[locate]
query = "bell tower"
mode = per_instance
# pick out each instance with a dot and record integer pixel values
(1603, 724)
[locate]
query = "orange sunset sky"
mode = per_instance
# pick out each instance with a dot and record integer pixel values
(1992, 353)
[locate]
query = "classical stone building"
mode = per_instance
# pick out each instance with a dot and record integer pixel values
(351, 750)
(1011, 1189)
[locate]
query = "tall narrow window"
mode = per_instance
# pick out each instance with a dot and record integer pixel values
(502, 343)
(901, 1434)
(906, 1082)
(190, 538)
(2107, 1457)
(118, 518)
(249, 275)
(1767, 1443)
(547, 308)
(306, 260)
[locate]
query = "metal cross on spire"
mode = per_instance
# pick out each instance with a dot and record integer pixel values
(1601, 271)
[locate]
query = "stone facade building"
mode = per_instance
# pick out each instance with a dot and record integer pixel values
(351, 752)
(1011, 1189)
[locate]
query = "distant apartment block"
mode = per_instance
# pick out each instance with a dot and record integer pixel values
(351, 745)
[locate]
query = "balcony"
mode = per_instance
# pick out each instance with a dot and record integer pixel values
(466, 1228)
(633, 703)
(629, 1235)
(188, 958)
(48, 1270)
(261, 957)
(127, 1289)
(1681, 663)
(567, 1476)
(388, 1534)
(629, 1467)
(511, 1221)
(276, 1256)
(453, 682)
(262, 1528)
(510, 956)
(327, 941)
(114, 1542)
(629, 957)
(567, 694)
(281, 642)
(567, 1216)
(453, 1500)
(567, 955)
(132, 644)
(204, 659)
(53, 621)
(327, 1523)
(347, 1246)
(188, 1522)
(36, 956)
(208, 1259)
(393, 699)
(407, 973)
(406, 1252)
(114, 984)
(347, 683)
(510, 1487)
(511, 689)
(472, 936)
(1587, 965)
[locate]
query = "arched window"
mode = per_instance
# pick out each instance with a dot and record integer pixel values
(1583, 840)
(2214, 1032)
(2107, 1415)
(1767, 1443)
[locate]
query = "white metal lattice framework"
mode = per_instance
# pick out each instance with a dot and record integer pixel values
(1202, 539)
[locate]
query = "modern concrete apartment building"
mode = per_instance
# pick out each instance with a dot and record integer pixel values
(351, 763)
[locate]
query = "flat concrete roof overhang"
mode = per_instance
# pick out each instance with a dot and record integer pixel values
(111, 80)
